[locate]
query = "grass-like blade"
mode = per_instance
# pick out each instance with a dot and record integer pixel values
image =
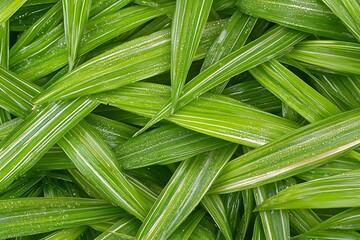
(347, 11)
(232, 37)
(258, 231)
(233, 205)
(184, 231)
(293, 91)
(125, 228)
(332, 192)
(76, 14)
(303, 220)
(164, 144)
(215, 207)
(8, 8)
(328, 235)
(276, 224)
(68, 234)
(328, 56)
(270, 45)
(97, 32)
(46, 23)
(194, 177)
(231, 123)
(102, 171)
(245, 222)
(21, 186)
(186, 29)
(130, 62)
(28, 216)
(102, 8)
(345, 220)
(310, 16)
(40, 130)
(4, 44)
(8, 126)
(292, 153)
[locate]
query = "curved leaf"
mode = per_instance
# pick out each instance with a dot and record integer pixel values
(292, 153)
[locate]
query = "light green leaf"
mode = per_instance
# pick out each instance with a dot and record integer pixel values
(328, 56)
(7, 127)
(130, 62)
(348, 12)
(37, 63)
(292, 153)
(258, 231)
(272, 44)
(348, 219)
(66, 234)
(76, 13)
(303, 220)
(310, 16)
(125, 228)
(163, 145)
(28, 216)
(36, 134)
(328, 235)
(187, 27)
(293, 91)
(194, 177)
(215, 207)
(276, 224)
(232, 37)
(8, 8)
(245, 222)
(214, 115)
(331, 192)
(184, 231)
(101, 170)
(4, 44)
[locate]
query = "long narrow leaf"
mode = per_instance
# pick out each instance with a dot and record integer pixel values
(8, 8)
(310, 16)
(332, 192)
(291, 154)
(125, 228)
(28, 216)
(194, 178)
(328, 56)
(347, 11)
(348, 219)
(125, 61)
(187, 27)
(76, 14)
(272, 44)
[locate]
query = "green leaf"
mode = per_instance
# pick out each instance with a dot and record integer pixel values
(4, 44)
(28, 216)
(8, 8)
(328, 56)
(37, 63)
(292, 153)
(248, 204)
(276, 224)
(50, 20)
(215, 207)
(130, 62)
(21, 186)
(329, 235)
(310, 16)
(348, 219)
(348, 12)
(36, 134)
(293, 91)
(272, 44)
(232, 37)
(101, 170)
(163, 145)
(76, 14)
(211, 114)
(125, 228)
(183, 193)
(303, 220)
(184, 231)
(7, 127)
(68, 234)
(331, 192)
(255, 94)
(258, 231)
(233, 204)
(187, 27)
